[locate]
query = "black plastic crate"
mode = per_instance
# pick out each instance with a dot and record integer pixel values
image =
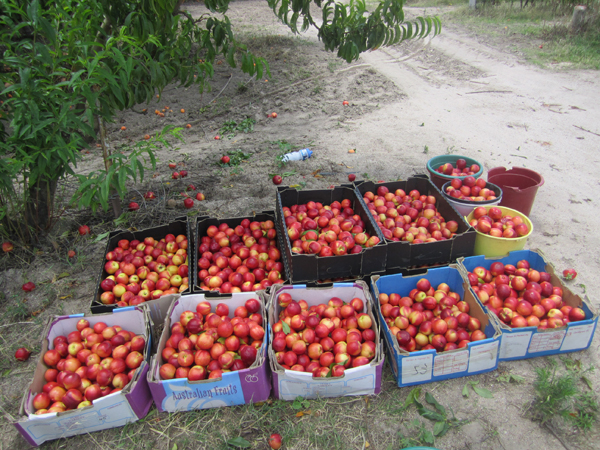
(306, 268)
(202, 225)
(179, 226)
(404, 255)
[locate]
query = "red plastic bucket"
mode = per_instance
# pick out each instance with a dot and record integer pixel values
(519, 187)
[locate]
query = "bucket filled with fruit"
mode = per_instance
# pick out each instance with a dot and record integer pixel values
(446, 168)
(467, 194)
(499, 230)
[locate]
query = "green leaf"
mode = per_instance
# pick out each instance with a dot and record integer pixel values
(482, 392)
(412, 396)
(440, 428)
(428, 437)
(432, 401)
(239, 442)
(102, 236)
(465, 391)
(285, 327)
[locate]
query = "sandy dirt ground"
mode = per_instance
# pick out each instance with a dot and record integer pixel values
(458, 93)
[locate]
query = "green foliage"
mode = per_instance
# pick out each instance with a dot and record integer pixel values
(230, 128)
(443, 420)
(236, 157)
(69, 65)
(560, 394)
(300, 403)
(350, 28)
(125, 165)
(482, 392)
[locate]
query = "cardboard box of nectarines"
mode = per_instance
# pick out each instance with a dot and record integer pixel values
(352, 247)
(348, 357)
(205, 361)
(433, 326)
(247, 248)
(403, 254)
(544, 317)
(153, 270)
(118, 394)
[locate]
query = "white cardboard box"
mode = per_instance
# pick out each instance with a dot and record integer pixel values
(114, 410)
(363, 380)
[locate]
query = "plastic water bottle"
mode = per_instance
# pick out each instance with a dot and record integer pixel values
(299, 155)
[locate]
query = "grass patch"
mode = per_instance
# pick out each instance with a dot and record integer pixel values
(565, 392)
(540, 32)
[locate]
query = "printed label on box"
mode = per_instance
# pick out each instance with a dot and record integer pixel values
(543, 342)
(483, 357)
(42, 428)
(290, 388)
(514, 345)
(577, 337)
(183, 396)
(417, 368)
(449, 363)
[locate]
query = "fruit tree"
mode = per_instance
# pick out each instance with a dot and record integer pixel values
(69, 67)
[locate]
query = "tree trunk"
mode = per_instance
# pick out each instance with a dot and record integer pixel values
(578, 19)
(40, 205)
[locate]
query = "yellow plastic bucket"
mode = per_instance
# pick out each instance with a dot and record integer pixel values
(499, 246)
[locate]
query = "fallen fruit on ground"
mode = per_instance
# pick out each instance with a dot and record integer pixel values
(351, 177)
(277, 179)
(345, 103)
(191, 187)
(7, 247)
(123, 128)
(569, 274)
(188, 203)
(147, 137)
(72, 254)
(175, 175)
(83, 230)
(22, 354)
(274, 115)
(275, 441)
(200, 196)
(149, 195)
(172, 165)
(225, 159)
(28, 287)
(133, 206)
(183, 173)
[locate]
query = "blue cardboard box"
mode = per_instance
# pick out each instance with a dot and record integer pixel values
(425, 366)
(529, 342)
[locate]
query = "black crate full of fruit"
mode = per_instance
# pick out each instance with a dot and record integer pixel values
(328, 234)
(538, 314)
(143, 266)
(434, 327)
(324, 341)
(420, 227)
(239, 254)
(88, 365)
